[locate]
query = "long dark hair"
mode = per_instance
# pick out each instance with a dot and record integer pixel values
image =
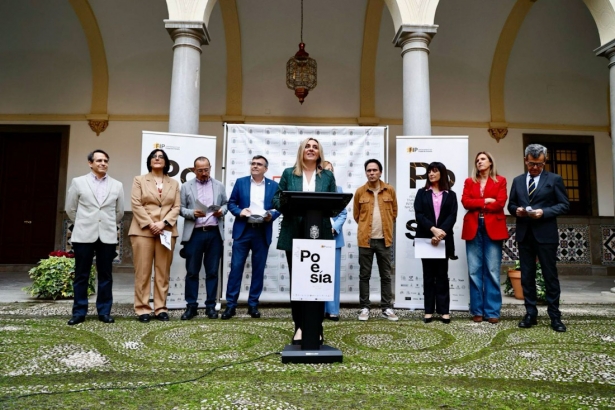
(443, 184)
(167, 163)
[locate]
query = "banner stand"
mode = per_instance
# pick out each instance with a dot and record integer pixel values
(414, 154)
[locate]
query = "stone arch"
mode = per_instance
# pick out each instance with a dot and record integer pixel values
(234, 63)
(498, 127)
(603, 13)
(416, 12)
(98, 117)
(420, 12)
(371, 30)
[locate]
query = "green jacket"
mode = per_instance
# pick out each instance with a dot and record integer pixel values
(292, 226)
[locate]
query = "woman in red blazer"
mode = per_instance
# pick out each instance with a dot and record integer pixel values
(484, 229)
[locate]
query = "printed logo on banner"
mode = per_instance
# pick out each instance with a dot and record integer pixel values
(158, 145)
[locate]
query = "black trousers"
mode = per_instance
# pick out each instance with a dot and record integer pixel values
(84, 255)
(529, 250)
(299, 310)
(435, 286)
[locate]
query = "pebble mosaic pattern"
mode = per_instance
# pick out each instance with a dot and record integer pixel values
(474, 364)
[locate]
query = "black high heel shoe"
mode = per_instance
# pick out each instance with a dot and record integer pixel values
(446, 321)
(428, 319)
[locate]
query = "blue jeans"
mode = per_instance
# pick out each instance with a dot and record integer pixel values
(484, 261)
(203, 248)
(333, 307)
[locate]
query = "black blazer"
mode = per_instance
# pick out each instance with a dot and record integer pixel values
(550, 196)
(426, 217)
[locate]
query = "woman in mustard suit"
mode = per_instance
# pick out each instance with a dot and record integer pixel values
(155, 206)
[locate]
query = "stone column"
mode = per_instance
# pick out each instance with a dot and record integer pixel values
(188, 36)
(414, 41)
(608, 51)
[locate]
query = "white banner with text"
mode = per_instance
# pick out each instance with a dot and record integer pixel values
(347, 148)
(182, 150)
(414, 154)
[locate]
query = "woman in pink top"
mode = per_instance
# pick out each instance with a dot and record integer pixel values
(435, 208)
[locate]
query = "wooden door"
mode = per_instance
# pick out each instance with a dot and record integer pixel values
(29, 174)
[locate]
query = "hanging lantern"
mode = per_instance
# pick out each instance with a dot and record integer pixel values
(301, 70)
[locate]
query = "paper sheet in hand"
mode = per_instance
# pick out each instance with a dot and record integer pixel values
(206, 209)
(424, 249)
(165, 239)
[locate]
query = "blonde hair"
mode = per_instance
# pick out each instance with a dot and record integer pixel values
(493, 173)
(324, 165)
(299, 164)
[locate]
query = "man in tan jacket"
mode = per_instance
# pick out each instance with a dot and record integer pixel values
(375, 211)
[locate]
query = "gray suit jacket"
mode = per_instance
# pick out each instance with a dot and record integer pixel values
(189, 196)
(94, 220)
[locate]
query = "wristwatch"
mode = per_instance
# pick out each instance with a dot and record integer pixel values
(166, 223)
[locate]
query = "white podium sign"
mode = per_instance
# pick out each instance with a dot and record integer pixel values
(313, 277)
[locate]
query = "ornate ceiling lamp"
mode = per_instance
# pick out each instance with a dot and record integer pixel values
(301, 70)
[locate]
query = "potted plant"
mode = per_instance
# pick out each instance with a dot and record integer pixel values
(53, 277)
(512, 285)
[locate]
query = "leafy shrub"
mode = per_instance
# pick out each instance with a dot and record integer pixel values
(53, 277)
(541, 293)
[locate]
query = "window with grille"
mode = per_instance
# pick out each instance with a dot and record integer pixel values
(572, 157)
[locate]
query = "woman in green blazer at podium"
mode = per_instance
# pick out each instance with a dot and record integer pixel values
(307, 175)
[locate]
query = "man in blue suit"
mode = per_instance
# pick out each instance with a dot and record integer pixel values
(537, 198)
(251, 203)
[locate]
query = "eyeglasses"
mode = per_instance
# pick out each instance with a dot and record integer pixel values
(158, 157)
(202, 170)
(535, 164)
(257, 164)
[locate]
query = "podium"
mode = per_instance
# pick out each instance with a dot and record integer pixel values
(312, 207)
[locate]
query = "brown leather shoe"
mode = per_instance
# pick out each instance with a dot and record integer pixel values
(493, 320)
(477, 319)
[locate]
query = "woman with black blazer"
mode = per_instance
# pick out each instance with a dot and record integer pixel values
(435, 207)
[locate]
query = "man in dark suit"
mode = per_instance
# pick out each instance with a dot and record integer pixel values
(251, 203)
(537, 198)
(203, 235)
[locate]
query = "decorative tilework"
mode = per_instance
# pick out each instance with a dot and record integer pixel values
(608, 244)
(510, 253)
(67, 244)
(573, 245)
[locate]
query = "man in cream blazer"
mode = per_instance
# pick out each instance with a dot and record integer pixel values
(95, 204)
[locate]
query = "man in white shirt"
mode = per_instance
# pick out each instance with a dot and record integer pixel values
(251, 203)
